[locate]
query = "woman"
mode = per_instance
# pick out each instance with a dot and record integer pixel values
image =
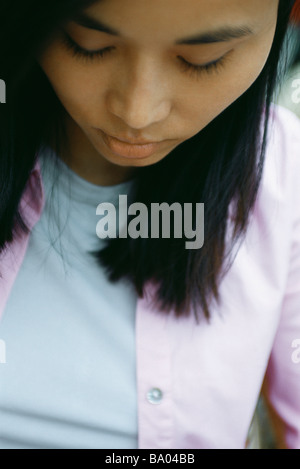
(138, 342)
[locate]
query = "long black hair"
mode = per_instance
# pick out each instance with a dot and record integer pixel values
(221, 166)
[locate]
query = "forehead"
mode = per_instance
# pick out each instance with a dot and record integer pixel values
(168, 20)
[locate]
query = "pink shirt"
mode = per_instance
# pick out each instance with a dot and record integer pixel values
(198, 384)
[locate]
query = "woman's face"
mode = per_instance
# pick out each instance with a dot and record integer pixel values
(168, 68)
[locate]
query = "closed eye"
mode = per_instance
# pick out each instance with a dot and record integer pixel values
(210, 67)
(91, 55)
(78, 51)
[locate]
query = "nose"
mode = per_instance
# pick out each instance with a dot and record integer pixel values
(138, 97)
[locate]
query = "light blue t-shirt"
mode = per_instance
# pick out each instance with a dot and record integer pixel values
(70, 375)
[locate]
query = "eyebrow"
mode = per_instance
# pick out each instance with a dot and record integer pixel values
(221, 35)
(224, 34)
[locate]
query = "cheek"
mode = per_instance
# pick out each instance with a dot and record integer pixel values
(79, 93)
(219, 92)
(250, 63)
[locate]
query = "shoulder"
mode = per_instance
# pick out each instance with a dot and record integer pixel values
(284, 135)
(282, 160)
(33, 198)
(285, 121)
(276, 213)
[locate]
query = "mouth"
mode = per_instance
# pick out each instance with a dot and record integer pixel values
(131, 148)
(134, 142)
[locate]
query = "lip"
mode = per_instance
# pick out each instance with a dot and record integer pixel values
(132, 141)
(125, 148)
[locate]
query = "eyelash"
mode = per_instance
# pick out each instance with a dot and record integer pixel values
(83, 53)
(200, 69)
(187, 67)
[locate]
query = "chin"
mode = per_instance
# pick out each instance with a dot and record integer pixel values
(136, 162)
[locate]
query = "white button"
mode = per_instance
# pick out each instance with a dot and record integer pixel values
(154, 396)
